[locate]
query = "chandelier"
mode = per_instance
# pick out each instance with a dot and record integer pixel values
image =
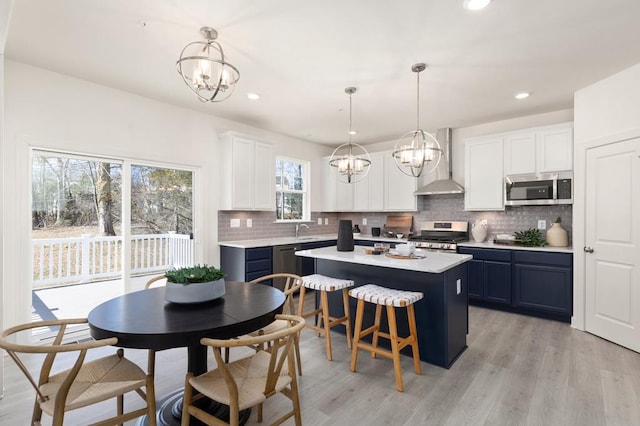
(350, 161)
(203, 68)
(417, 148)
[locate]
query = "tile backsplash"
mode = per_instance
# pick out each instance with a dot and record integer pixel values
(435, 207)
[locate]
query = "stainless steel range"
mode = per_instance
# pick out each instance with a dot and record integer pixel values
(441, 235)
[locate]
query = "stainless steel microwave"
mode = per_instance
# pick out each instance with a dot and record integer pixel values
(539, 189)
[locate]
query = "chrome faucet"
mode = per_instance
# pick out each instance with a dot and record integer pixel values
(300, 225)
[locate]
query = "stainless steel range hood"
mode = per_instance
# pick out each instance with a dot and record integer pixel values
(443, 186)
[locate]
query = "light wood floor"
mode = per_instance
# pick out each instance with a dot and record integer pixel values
(517, 370)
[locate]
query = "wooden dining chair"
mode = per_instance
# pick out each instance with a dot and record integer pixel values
(250, 381)
(86, 382)
(292, 285)
(154, 280)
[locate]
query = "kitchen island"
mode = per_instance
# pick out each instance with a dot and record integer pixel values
(441, 316)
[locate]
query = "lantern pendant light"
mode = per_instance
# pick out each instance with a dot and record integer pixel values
(417, 151)
(203, 67)
(350, 161)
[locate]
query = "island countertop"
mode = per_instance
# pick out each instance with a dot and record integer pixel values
(434, 263)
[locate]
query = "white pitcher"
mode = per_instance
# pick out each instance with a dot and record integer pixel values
(479, 230)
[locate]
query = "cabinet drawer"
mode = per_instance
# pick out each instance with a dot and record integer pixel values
(259, 265)
(259, 253)
(497, 255)
(543, 258)
(253, 275)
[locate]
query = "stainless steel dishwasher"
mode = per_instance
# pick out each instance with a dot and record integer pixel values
(285, 260)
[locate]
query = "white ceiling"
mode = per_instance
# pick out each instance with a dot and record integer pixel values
(300, 56)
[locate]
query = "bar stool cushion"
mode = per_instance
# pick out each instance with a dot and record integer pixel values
(324, 283)
(385, 296)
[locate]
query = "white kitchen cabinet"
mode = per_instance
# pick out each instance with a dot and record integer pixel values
(368, 193)
(554, 149)
(539, 150)
(520, 153)
(384, 188)
(484, 174)
(247, 174)
(338, 196)
(398, 188)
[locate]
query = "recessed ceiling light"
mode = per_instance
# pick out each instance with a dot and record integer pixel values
(522, 95)
(352, 132)
(475, 4)
(253, 96)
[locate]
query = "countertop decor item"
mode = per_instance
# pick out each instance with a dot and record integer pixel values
(350, 161)
(556, 235)
(417, 147)
(194, 284)
(532, 237)
(479, 230)
(205, 70)
(345, 236)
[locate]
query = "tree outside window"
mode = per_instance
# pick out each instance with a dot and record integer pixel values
(292, 182)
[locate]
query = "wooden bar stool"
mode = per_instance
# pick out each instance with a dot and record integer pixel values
(391, 299)
(326, 284)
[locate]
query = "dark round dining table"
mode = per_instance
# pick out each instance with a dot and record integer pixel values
(144, 320)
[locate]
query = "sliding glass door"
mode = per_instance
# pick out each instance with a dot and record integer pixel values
(161, 219)
(101, 227)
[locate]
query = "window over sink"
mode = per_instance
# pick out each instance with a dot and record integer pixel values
(292, 190)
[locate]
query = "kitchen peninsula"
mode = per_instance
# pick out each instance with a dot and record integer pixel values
(441, 316)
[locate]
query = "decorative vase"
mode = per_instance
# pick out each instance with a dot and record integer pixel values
(479, 231)
(194, 292)
(345, 236)
(557, 236)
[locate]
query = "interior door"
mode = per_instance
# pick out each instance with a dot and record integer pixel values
(612, 238)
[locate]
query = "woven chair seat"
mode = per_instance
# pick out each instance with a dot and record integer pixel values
(385, 296)
(250, 375)
(324, 283)
(96, 381)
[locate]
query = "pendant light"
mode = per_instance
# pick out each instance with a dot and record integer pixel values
(417, 150)
(205, 70)
(350, 161)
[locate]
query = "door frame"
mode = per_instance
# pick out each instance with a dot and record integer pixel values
(579, 219)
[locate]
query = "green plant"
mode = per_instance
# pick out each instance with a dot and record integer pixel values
(194, 274)
(532, 237)
(558, 220)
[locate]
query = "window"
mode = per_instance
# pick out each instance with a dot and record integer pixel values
(292, 186)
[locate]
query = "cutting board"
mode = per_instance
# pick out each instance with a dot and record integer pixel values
(401, 222)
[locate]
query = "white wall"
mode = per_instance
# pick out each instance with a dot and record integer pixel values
(5, 13)
(1, 210)
(606, 111)
(49, 110)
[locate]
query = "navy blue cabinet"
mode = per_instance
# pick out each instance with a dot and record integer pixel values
(308, 263)
(532, 282)
(489, 274)
(246, 264)
(543, 281)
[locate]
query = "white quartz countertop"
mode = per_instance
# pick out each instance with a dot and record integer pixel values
(434, 263)
(301, 240)
(490, 244)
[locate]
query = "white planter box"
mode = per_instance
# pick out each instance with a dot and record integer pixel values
(195, 292)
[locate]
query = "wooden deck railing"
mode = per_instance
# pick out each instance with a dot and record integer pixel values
(85, 259)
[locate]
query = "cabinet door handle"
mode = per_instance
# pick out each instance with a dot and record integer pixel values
(588, 249)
